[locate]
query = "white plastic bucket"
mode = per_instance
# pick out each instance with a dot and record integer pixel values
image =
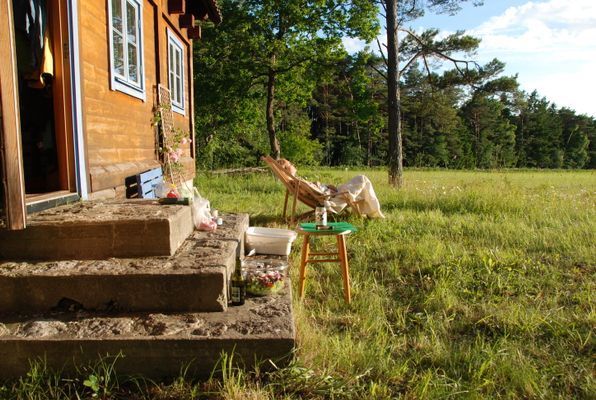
(270, 240)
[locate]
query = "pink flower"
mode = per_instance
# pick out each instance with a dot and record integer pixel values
(174, 156)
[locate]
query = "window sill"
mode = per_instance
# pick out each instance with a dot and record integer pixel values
(178, 110)
(120, 87)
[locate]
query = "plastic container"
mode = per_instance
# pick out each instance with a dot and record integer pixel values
(270, 240)
(264, 277)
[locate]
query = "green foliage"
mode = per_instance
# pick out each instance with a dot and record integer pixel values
(40, 383)
(575, 136)
(270, 49)
(300, 149)
(429, 120)
(101, 378)
(492, 135)
(540, 134)
(330, 108)
(96, 380)
(346, 113)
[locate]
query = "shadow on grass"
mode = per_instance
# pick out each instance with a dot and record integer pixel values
(266, 219)
(454, 206)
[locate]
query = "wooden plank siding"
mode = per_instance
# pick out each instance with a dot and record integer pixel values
(171, 21)
(118, 130)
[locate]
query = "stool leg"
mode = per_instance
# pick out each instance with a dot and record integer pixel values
(303, 262)
(343, 258)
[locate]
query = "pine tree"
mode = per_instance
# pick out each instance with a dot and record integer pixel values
(430, 121)
(492, 135)
(575, 138)
(542, 133)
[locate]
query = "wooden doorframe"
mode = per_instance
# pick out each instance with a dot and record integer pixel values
(81, 165)
(62, 94)
(13, 178)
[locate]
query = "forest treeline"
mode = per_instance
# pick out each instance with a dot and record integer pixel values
(330, 107)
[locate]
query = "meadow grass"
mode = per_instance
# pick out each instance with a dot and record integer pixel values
(475, 285)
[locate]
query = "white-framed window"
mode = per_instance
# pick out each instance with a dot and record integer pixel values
(126, 47)
(176, 72)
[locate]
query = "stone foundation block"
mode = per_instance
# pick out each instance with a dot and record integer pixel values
(99, 230)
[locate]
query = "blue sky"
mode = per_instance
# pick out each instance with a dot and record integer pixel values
(550, 44)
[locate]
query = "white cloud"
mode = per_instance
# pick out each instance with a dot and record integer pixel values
(551, 44)
(353, 45)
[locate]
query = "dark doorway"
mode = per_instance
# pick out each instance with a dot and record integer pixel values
(35, 63)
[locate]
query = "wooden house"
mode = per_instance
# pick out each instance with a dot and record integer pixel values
(78, 88)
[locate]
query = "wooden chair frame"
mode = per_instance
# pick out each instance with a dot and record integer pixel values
(302, 190)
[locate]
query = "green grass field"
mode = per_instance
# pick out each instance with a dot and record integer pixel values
(476, 285)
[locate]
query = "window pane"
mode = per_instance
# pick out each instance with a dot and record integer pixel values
(178, 62)
(171, 84)
(131, 23)
(117, 15)
(178, 91)
(133, 64)
(118, 47)
(176, 72)
(171, 60)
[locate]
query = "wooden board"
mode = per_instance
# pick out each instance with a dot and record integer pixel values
(14, 197)
(142, 186)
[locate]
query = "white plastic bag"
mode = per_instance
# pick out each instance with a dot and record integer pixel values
(201, 213)
(160, 190)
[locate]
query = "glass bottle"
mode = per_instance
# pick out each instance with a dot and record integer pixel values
(321, 215)
(238, 285)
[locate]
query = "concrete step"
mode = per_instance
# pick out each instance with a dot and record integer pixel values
(194, 279)
(98, 230)
(156, 345)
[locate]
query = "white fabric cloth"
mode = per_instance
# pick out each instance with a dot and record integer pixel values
(360, 190)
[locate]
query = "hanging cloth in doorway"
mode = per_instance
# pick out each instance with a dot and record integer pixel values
(36, 62)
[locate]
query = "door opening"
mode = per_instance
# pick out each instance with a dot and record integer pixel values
(40, 67)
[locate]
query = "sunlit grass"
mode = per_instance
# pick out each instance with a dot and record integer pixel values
(476, 285)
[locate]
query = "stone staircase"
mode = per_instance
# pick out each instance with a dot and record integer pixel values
(132, 278)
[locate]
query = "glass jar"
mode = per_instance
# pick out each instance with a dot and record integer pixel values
(321, 216)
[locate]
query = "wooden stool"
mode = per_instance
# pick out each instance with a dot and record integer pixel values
(340, 230)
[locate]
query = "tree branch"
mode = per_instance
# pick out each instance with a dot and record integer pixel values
(379, 71)
(434, 51)
(410, 62)
(381, 51)
(430, 81)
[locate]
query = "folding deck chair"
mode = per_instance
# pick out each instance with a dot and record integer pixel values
(302, 190)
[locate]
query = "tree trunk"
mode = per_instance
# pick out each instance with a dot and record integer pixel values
(273, 142)
(393, 98)
(369, 145)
